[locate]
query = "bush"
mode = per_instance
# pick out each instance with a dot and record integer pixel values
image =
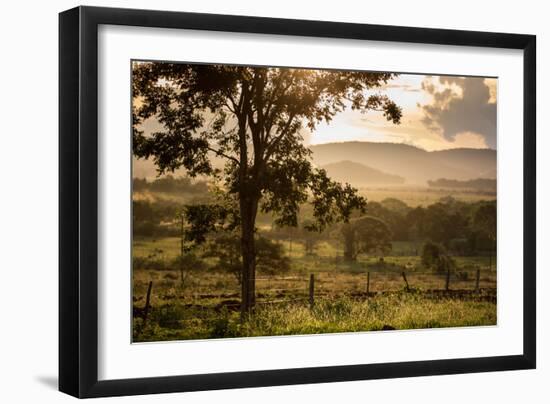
(271, 259)
(435, 257)
(168, 316)
(224, 327)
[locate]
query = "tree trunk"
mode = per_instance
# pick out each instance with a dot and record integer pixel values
(350, 254)
(349, 243)
(248, 207)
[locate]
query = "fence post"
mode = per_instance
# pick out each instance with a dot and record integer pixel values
(477, 280)
(311, 291)
(448, 279)
(368, 283)
(181, 250)
(147, 303)
(405, 279)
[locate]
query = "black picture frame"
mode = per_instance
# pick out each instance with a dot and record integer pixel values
(78, 201)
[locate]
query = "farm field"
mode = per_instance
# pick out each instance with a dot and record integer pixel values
(413, 196)
(206, 304)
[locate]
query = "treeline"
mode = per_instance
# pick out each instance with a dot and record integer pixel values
(171, 185)
(462, 228)
(158, 217)
(155, 219)
(480, 184)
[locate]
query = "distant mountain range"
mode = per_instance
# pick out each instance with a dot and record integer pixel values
(370, 163)
(414, 165)
(360, 175)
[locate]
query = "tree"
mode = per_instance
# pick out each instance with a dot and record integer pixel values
(226, 247)
(415, 225)
(187, 262)
(485, 221)
(271, 259)
(396, 205)
(443, 221)
(365, 235)
(435, 256)
(310, 236)
(252, 118)
(392, 212)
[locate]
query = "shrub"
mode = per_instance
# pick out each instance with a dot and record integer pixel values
(435, 257)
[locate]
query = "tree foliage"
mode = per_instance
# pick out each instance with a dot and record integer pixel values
(485, 220)
(309, 236)
(226, 247)
(253, 119)
(365, 235)
(435, 257)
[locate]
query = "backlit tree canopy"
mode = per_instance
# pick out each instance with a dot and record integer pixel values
(253, 119)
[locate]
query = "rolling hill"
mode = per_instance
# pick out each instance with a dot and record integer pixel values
(369, 163)
(415, 165)
(360, 175)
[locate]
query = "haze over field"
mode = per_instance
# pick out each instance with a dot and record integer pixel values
(371, 163)
(416, 166)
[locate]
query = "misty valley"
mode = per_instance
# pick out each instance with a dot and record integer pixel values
(428, 259)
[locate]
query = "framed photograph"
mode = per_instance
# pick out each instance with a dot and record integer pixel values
(251, 201)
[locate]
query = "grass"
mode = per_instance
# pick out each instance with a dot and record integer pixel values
(328, 255)
(398, 311)
(164, 247)
(209, 288)
(206, 304)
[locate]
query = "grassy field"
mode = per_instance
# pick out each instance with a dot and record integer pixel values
(398, 310)
(206, 304)
(412, 196)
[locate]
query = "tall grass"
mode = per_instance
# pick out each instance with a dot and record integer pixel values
(398, 311)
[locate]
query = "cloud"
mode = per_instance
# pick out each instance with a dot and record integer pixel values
(403, 87)
(461, 105)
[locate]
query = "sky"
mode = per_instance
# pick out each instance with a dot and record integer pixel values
(439, 112)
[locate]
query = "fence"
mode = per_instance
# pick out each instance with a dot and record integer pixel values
(362, 286)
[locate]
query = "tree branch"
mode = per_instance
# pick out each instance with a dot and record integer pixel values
(269, 113)
(273, 144)
(220, 153)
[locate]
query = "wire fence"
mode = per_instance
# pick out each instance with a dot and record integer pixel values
(306, 290)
